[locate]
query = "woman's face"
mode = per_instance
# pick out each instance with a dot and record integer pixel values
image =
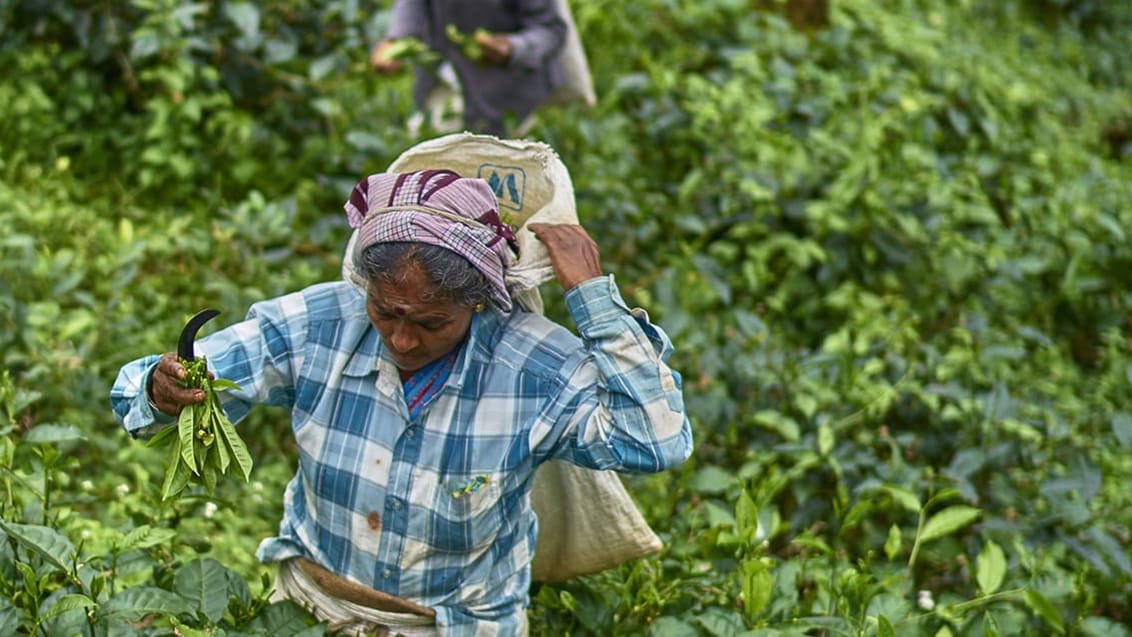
(415, 329)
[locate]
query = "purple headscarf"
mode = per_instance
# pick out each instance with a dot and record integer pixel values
(440, 208)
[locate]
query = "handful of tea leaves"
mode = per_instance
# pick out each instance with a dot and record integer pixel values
(410, 50)
(466, 41)
(203, 444)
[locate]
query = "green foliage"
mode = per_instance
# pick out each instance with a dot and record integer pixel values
(204, 443)
(125, 574)
(893, 255)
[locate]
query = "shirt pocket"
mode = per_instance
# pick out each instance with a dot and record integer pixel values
(466, 515)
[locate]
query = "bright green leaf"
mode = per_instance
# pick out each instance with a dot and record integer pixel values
(757, 584)
(903, 497)
(893, 542)
(825, 439)
(746, 513)
(778, 422)
(990, 568)
(145, 536)
(948, 521)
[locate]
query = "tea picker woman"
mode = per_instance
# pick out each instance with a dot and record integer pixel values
(422, 408)
(515, 71)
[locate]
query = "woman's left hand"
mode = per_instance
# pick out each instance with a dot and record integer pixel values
(573, 254)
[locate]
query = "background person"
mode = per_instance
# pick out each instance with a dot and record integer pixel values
(517, 68)
(422, 408)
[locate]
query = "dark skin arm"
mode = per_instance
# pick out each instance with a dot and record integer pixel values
(573, 254)
(164, 387)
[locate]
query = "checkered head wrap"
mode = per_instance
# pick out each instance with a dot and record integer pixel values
(440, 208)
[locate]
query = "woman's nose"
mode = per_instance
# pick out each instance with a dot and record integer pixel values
(403, 338)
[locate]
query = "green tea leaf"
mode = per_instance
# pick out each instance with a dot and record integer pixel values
(948, 521)
(176, 473)
(757, 587)
(9, 620)
(133, 604)
(223, 455)
(208, 474)
(746, 513)
(893, 542)
(145, 536)
(990, 568)
(990, 625)
(903, 497)
(237, 447)
(163, 437)
(204, 583)
(223, 384)
(50, 544)
(1042, 608)
(884, 627)
(825, 439)
(65, 603)
(185, 431)
(778, 422)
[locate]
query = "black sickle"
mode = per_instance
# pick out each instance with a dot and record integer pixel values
(189, 334)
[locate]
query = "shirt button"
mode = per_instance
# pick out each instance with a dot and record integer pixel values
(396, 505)
(408, 433)
(386, 573)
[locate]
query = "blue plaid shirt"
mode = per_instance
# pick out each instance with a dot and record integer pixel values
(435, 508)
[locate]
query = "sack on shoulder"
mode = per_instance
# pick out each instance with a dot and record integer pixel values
(577, 84)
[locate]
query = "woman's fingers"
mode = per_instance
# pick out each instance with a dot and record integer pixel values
(573, 254)
(165, 389)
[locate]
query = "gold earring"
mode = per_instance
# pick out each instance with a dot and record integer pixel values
(478, 308)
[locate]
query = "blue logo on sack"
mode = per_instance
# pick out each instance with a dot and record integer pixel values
(508, 182)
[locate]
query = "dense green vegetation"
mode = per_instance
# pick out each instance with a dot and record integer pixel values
(893, 253)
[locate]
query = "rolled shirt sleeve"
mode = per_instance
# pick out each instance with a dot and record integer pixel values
(624, 404)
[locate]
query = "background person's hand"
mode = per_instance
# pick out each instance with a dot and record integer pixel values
(495, 47)
(573, 254)
(381, 61)
(164, 388)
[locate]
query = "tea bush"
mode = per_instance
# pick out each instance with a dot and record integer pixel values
(892, 253)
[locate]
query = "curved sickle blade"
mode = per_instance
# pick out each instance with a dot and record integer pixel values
(189, 334)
